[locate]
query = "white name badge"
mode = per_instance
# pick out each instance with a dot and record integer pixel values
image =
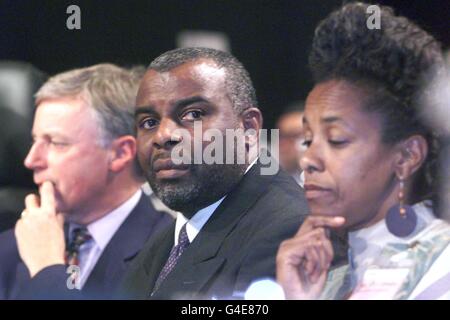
(380, 284)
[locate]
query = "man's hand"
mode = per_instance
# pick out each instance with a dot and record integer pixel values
(304, 260)
(40, 231)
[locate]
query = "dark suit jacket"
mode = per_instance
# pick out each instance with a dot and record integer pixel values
(236, 246)
(50, 283)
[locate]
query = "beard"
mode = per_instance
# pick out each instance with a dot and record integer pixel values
(202, 186)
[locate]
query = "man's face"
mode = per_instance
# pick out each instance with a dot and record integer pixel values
(192, 92)
(291, 136)
(66, 152)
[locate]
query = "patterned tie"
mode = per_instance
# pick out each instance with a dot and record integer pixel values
(79, 237)
(175, 253)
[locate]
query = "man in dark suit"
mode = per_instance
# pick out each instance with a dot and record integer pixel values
(51, 282)
(233, 214)
(91, 217)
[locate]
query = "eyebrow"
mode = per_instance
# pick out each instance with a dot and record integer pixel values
(331, 119)
(179, 104)
(190, 100)
(52, 134)
(144, 109)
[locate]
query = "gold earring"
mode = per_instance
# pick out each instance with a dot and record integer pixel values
(401, 198)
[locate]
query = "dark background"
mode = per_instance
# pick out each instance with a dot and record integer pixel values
(272, 38)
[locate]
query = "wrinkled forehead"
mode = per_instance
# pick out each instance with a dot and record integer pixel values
(66, 115)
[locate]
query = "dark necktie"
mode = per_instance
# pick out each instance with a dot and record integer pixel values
(175, 253)
(79, 237)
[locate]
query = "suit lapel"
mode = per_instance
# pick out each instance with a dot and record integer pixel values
(157, 256)
(199, 263)
(229, 213)
(123, 247)
(22, 276)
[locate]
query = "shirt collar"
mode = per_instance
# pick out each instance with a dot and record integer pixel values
(103, 229)
(199, 219)
(196, 223)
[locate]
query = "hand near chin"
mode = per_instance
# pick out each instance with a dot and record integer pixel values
(40, 231)
(304, 260)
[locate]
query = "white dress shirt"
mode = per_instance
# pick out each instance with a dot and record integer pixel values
(102, 230)
(198, 220)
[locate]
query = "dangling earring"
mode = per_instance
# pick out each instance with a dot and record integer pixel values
(401, 220)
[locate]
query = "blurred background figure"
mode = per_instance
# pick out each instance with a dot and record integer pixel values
(446, 152)
(291, 139)
(18, 83)
(438, 118)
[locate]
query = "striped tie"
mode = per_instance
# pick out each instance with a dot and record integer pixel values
(79, 237)
(175, 253)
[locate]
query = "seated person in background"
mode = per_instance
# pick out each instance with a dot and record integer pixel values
(91, 212)
(290, 125)
(14, 183)
(369, 165)
(19, 81)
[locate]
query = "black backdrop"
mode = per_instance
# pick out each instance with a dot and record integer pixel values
(271, 38)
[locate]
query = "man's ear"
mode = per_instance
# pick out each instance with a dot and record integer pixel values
(123, 151)
(412, 154)
(252, 120)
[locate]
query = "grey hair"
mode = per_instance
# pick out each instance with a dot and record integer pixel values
(110, 91)
(237, 81)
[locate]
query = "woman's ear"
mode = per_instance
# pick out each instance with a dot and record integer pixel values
(123, 151)
(412, 154)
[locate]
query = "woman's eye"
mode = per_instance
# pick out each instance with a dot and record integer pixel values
(337, 142)
(192, 115)
(148, 124)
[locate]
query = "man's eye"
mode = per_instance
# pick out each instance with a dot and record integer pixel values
(192, 115)
(306, 143)
(147, 124)
(57, 143)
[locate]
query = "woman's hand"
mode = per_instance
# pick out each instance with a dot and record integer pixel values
(304, 260)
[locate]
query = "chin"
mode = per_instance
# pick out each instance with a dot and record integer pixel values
(61, 206)
(324, 210)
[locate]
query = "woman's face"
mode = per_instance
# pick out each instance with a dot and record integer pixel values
(349, 172)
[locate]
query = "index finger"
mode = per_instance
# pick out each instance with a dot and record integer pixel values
(47, 193)
(313, 222)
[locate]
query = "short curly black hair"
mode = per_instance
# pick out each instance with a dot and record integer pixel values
(237, 81)
(390, 63)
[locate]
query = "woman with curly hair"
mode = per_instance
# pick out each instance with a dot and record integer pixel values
(369, 165)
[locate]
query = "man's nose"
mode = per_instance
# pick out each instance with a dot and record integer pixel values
(35, 157)
(166, 135)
